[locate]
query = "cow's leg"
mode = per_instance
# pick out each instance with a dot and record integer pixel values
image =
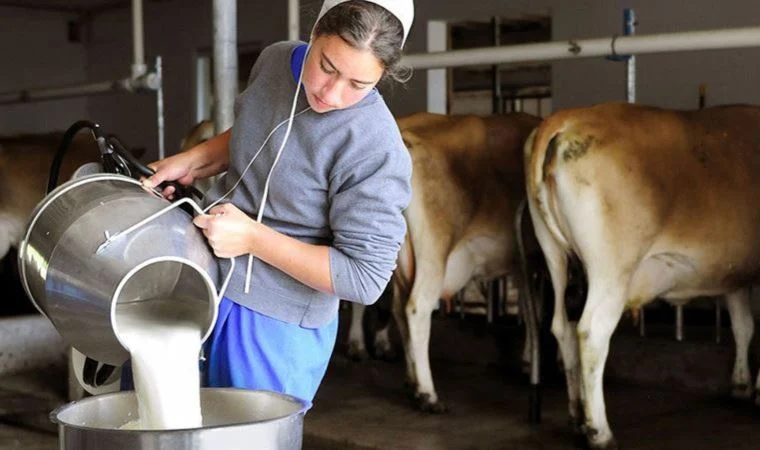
(398, 308)
(356, 348)
(603, 310)
(382, 343)
(743, 327)
(11, 231)
(422, 301)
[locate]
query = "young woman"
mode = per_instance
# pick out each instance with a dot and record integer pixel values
(317, 178)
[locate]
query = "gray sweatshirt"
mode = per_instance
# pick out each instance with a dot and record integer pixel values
(342, 180)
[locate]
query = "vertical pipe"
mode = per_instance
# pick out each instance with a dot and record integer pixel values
(491, 293)
(629, 18)
(294, 24)
(679, 323)
(138, 43)
(437, 82)
(202, 80)
(717, 322)
(529, 309)
(225, 62)
(702, 95)
(160, 108)
(496, 105)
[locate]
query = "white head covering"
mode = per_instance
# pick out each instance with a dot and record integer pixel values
(402, 9)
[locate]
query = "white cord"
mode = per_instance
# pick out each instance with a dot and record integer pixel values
(253, 159)
(264, 196)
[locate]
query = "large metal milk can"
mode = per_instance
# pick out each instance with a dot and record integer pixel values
(101, 241)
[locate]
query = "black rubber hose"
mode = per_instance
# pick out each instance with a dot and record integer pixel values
(68, 136)
(145, 171)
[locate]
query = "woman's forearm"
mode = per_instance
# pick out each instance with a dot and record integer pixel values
(211, 157)
(307, 263)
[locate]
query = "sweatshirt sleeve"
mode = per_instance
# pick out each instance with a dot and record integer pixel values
(367, 200)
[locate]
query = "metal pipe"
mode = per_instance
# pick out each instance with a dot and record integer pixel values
(30, 95)
(585, 48)
(679, 323)
(497, 106)
(528, 307)
(225, 62)
(160, 108)
(629, 17)
(294, 24)
(148, 81)
(138, 42)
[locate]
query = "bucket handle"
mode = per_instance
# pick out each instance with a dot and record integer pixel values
(110, 238)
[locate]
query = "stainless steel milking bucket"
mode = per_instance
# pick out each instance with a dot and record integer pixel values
(103, 240)
(233, 419)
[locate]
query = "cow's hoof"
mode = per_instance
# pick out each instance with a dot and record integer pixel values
(357, 352)
(742, 391)
(424, 404)
(596, 441)
(609, 445)
(410, 388)
(525, 367)
(576, 424)
(385, 352)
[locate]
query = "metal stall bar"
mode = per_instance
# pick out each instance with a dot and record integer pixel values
(294, 24)
(586, 48)
(225, 63)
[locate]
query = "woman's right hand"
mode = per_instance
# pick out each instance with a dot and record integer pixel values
(205, 160)
(177, 168)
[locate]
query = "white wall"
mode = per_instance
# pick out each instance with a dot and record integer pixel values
(36, 53)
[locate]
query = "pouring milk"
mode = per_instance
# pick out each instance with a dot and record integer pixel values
(164, 343)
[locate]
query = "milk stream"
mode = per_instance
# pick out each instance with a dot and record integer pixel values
(164, 343)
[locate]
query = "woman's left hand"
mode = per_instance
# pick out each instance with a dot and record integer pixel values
(230, 231)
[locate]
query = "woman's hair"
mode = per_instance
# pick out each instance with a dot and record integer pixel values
(365, 25)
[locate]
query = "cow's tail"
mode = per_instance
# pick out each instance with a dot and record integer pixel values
(541, 162)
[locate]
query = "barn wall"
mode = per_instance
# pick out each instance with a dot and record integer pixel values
(36, 53)
(177, 29)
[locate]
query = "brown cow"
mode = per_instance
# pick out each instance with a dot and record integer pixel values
(654, 203)
(467, 184)
(25, 162)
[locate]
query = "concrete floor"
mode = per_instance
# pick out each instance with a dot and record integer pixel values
(661, 394)
(364, 405)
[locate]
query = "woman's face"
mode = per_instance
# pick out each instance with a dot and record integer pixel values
(337, 75)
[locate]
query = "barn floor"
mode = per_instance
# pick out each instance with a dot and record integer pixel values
(364, 406)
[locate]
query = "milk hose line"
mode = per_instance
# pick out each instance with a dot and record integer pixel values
(68, 136)
(289, 120)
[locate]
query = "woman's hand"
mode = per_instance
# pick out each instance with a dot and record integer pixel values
(230, 231)
(202, 161)
(177, 168)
